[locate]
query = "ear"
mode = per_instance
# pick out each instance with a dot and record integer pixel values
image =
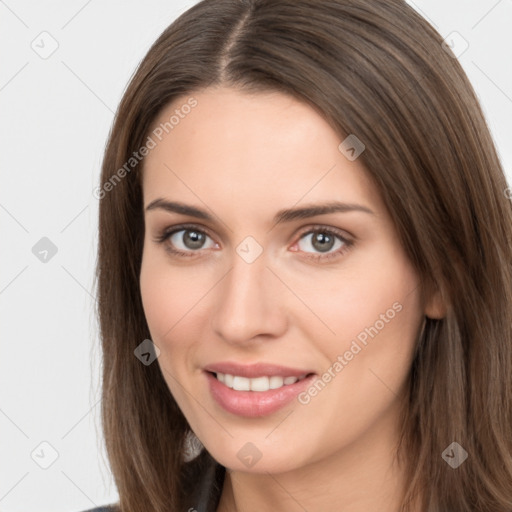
(435, 306)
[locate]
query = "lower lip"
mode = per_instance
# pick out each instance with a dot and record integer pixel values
(252, 404)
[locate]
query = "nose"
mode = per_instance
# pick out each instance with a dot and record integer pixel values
(249, 303)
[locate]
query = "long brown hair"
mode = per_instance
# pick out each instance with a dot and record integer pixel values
(378, 70)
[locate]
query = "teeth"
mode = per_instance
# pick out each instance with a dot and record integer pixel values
(257, 384)
(241, 383)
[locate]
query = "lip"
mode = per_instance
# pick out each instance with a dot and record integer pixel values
(252, 371)
(252, 404)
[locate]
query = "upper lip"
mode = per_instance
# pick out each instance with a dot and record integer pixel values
(255, 370)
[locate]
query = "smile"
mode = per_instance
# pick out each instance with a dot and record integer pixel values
(254, 396)
(259, 384)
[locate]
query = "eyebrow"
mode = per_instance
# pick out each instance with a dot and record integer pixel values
(286, 215)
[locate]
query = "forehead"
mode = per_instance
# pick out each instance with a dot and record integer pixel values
(250, 150)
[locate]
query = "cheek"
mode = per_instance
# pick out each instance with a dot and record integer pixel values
(161, 299)
(368, 360)
(166, 293)
(155, 301)
(165, 308)
(372, 311)
(175, 306)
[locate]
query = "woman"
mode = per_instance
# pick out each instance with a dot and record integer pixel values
(304, 269)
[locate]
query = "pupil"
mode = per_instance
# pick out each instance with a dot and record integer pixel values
(325, 242)
(193, 239)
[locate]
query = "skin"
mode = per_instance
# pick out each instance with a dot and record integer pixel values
(242, 158)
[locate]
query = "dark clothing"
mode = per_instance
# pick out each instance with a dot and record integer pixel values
(206, 478)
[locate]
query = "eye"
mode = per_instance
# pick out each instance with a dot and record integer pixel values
(188, 240)
(185, 240)
(324, 239)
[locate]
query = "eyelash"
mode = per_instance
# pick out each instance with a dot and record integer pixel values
(167, 233)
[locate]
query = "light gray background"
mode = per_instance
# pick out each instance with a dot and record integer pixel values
(56, 114)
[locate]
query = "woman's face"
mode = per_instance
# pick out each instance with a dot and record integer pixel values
(329, 294)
